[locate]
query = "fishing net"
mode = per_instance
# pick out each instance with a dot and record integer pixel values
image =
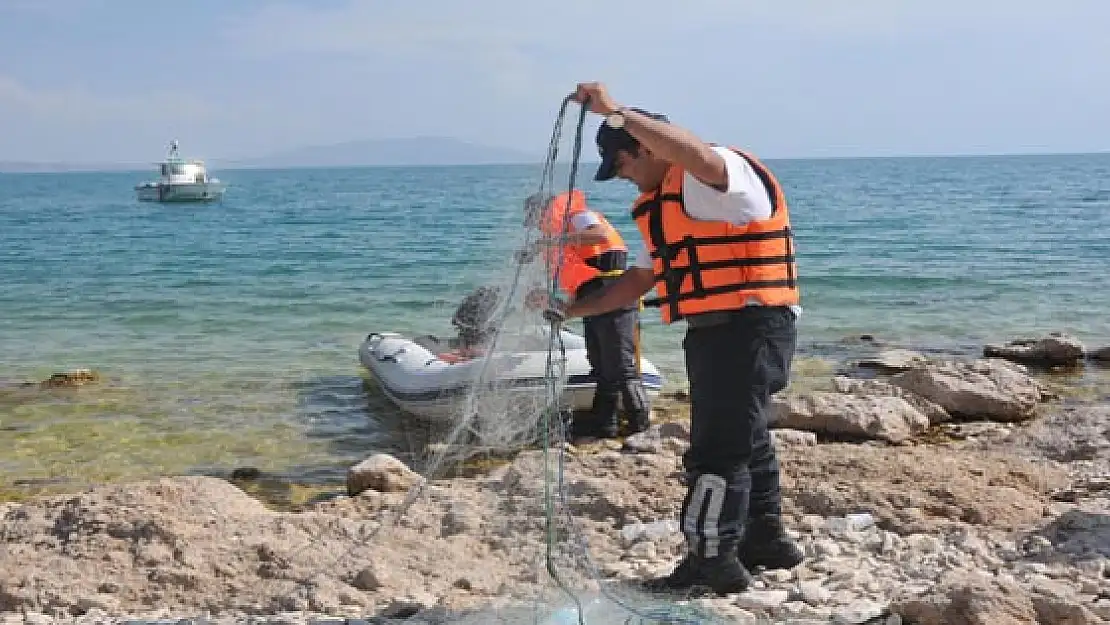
(499, 415)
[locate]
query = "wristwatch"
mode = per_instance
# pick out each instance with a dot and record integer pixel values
(615, 119)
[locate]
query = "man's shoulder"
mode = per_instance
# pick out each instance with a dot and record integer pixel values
(586, 219)
(746, 198)
(594, 214)
(727, 148)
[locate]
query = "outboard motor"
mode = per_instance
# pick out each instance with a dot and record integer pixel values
(474, 317)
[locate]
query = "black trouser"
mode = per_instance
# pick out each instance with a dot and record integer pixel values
(611, 351)
(733, 367)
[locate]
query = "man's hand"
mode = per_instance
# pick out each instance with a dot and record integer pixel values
(554, 310)
(537, 299)
(597, 95)
(554, 315)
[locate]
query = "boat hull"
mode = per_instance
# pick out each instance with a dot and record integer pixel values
(185, 192)
(418, 382)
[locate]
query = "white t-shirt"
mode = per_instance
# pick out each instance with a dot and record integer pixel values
(745, 200)
(583, 220)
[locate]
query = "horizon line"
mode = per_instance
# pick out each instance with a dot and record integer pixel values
(60, 167)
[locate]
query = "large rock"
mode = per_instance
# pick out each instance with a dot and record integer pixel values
(974, 602)
(984, 389)
(1102, 353)
(1068, 434)
(971, 599)
(1054, 349)
(887, 418)
(784, 437)
(382, 473)
(935, 412)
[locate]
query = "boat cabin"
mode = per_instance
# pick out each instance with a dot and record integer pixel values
(176, 170)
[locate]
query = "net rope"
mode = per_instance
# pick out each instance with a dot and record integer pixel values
(496, 418)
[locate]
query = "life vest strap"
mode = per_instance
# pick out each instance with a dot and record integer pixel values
(612, 260)
(656, 201)
(751, 285)
(672, 250)
(734, 262)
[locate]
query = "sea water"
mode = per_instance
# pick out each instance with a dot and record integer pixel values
(227, 333)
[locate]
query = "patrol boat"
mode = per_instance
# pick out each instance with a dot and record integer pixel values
(182, 180)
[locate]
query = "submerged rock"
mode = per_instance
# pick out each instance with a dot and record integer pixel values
(1055, 349)
(76, 377)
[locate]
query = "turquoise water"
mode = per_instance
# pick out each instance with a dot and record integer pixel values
(228, 333)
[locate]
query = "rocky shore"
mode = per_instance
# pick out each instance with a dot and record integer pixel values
(935, 492)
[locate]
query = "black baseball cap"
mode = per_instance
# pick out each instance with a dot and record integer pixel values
(611, 140)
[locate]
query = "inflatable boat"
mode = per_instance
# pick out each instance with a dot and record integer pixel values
(431, 378)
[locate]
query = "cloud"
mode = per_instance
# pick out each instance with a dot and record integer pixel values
(519, 48)
(367, 28)
(292, 72)
(495, 49)
(61, 10)
(75, 105)
(392, 28)
(396, 27)
(885, 18)
(52, 123)
(453, 67)
(468, 51)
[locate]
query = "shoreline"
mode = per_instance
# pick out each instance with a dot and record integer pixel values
(904, 507)
(1080, 375)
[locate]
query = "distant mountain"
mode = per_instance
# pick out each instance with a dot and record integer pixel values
(385, 152)
(367, 153)
(21, 167)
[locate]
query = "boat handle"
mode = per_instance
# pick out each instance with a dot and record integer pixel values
(392, 357)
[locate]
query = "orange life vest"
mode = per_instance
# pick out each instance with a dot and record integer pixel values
(578, 264)
(706, 266)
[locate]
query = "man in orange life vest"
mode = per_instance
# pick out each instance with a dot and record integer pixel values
(720, 255)
(590, 254)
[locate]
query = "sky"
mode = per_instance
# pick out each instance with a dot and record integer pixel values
(115, 80)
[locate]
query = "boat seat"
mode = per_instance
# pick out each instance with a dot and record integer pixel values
(431, 343)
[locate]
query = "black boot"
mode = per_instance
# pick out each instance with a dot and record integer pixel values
(766, 544)
(637, 405)
(605, 416)
(722, 575)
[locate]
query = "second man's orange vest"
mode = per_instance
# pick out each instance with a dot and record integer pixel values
(578, 264)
